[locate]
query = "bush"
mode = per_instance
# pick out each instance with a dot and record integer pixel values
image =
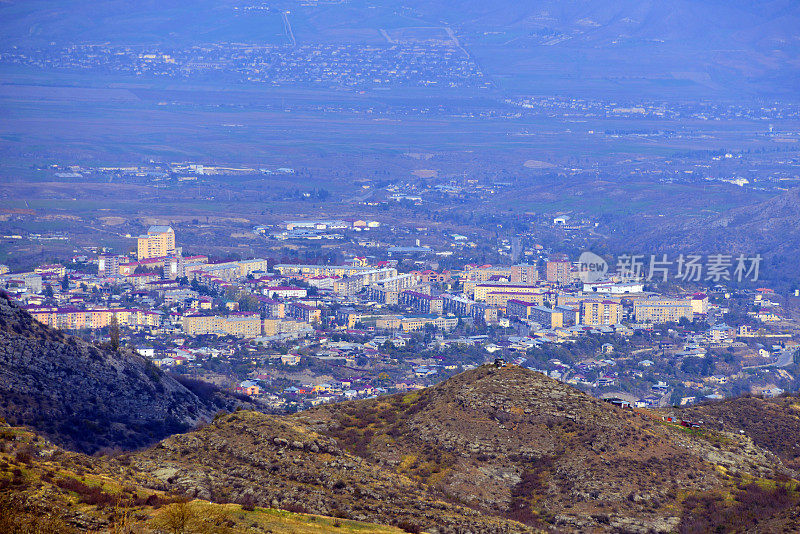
(91, 495)
(248, 503)
(408, 526)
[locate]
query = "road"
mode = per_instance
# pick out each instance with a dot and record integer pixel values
(287, 26)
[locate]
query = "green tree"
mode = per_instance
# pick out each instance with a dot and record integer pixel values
(65, 283)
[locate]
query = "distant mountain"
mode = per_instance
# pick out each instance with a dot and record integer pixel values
(87, 398)
(770, 228)
(509, 443)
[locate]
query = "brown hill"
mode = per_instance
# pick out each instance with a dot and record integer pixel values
(279, 462)
(490, 450)
(86, 397)
(47, 490)
(518, 444)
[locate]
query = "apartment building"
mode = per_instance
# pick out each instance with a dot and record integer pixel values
(71, 318)
(517, 274)
(520, 308)
(51, 270)
(699, 303)
(422, 302)
(600, 312)
(303, 312)
(460, 306)
(159, 242)
(662, 310)
(108, 265)
(336, 270)
(415, 324)
(547, 317)
(559, 271)
(499, 299)
(482, 290)
(348, 286)
(274, 327)
(380, 294)
(273, 308)
(241, 324)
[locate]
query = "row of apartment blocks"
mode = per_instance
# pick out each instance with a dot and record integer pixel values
(663, 310)
(349, 279)
(481, 290)
(464, 307)
(422, 302)
(350, 318)
(177, 266)
(556, 317)
(557, 270)
(568, 309)
(589, 310)
(387, 291)
(242, 324)
(70, 318)
(341, 271)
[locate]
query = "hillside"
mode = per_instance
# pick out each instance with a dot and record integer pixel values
(489, 450)
(773, 424)
(46, 490)
(769, 228)
(519, 444)
(87, 398)
(278, 462)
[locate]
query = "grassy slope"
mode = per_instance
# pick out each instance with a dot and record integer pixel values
(45, 488)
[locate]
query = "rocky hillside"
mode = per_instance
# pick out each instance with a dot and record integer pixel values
(773, 424)
(280, 463)
(769, 228)
(47, 490)
(87, 398)
(490, 450)
(521, 445)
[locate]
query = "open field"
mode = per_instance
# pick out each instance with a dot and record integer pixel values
(62, 123)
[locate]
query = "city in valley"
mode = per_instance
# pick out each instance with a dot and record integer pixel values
(294, 335)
